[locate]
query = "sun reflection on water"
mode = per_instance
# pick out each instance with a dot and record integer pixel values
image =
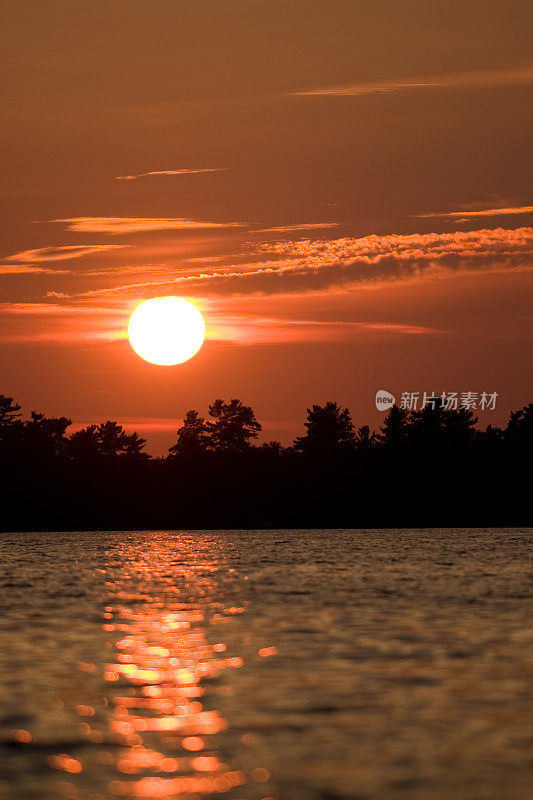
(163, 673)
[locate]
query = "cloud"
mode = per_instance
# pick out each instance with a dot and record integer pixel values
(70, 322)
(294, 268)
(117, 225)
(251, 329)
(26, 269)
(169, 172)
(47, 309)
(142, 424)
(133, 269)
(362, 89)
(483, 212)
(61, 321)
(62, 253)
(460, 80)
(212, 259)
(305, 226)
(326, 264)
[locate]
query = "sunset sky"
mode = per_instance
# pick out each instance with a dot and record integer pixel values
(343, 188)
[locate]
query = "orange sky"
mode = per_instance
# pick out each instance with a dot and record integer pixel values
(344, 189)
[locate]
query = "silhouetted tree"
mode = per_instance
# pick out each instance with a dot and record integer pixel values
(493, 434)
(107, 441)
(83, 444)
(45, 436)
(364, 440)
(490, 443)
(9, 411)
(520, 426)
(459, 427)
(235, 425)
(395, 428)
(330, 431)
(111, 438)
(427, 427)
(10, 424)
(193, 437)
(133, 446)
(272, 448)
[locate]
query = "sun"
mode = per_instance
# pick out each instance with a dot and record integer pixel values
(166, 330)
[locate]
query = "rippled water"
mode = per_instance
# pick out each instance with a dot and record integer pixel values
(293, 665)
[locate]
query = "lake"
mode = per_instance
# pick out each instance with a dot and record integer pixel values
(255, 665)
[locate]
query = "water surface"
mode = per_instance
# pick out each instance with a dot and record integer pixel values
(295, 665)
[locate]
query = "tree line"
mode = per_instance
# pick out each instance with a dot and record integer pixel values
(430, 467)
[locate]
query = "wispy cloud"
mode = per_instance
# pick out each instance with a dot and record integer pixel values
(65, 320)
(305, 226)
(134, 269)
(142, 424)
(117, 225)
(326, 264)
(61, 321)
(472, 79)
(356, 90)
(170, 172)
(48, 309)
(291, 268)
(252, 329)
(26, 269)
(212, 259)
(62, 253)
(482, 212)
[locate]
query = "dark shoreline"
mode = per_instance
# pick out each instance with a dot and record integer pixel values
(430, 468)
(523, 528)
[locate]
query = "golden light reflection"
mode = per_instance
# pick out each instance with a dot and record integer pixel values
(65, 762)
(163, 677)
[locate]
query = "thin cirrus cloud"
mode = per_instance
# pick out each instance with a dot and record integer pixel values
(246, 329)
(461, 80)
(27, 269)
(325, 265)
(143, 424)
(482, 212)
(60, 321)
(169, 172)
(304, 226)
(132, 269)
(62, 253)
(67, 322)
(118, 225)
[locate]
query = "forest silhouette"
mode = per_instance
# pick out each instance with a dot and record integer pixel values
(426, 468)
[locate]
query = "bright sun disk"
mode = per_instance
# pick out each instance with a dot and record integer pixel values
(166, 330)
